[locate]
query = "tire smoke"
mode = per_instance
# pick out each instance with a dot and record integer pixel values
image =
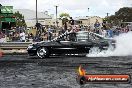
(123, 47)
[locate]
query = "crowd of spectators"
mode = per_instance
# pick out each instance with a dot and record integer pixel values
(48, 33)
(112, 31)
(27, 34)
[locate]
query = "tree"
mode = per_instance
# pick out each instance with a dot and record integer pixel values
(113, 19)
(64, 17)
(122, 15)
(19, 19)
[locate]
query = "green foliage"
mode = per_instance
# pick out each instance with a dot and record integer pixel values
(19, 19)
(64, 17)
(122, 15)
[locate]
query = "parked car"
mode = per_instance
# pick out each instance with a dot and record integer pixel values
(70, 43)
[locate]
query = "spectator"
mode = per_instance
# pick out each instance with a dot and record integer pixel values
(116, 31)
(15, 36)
(110, 33)
(22, 36)
(65, 26)
(49, 35)
(71, 21)
(63, 30)
(2, 37)
(97, 26)
(104, 33)
(30, 37)
(45, 37)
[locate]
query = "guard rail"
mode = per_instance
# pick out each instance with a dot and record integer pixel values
(14, 45)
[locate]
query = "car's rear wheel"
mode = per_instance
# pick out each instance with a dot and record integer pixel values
(42, 52)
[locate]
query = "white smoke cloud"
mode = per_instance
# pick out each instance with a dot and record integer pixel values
(123, 47)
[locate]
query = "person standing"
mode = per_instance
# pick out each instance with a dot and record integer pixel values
(110, 33)
(71, 22)
(104, 33)
(22, 36)
(2, 37)
(65, 26)
(97, 26)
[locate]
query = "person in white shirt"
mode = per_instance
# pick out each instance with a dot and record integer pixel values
(2, 37)
(22, 37)
(104, 33)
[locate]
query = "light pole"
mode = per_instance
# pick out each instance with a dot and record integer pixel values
(36, 13)
(0, 8)
(88, 19)
(0, 21)
(107, 14)
(56, 15)
(88, 10)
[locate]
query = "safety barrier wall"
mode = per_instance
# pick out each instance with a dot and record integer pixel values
(14, 47)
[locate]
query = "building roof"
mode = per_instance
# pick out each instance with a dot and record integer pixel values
(31, 14)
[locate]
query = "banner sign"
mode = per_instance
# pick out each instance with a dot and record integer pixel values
(6, 9)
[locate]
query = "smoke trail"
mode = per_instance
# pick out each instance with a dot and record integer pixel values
(123, 47)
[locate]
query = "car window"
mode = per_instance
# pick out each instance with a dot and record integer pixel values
(67, 37)
(82, 37)
(94, 37)
(72, 37)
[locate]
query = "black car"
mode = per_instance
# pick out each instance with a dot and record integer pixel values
(70, 43)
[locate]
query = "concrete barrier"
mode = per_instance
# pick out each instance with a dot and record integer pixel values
(14, 47)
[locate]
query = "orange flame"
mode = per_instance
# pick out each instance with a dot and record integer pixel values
(82, 72)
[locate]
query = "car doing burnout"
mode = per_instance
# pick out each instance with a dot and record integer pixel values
(70, 43)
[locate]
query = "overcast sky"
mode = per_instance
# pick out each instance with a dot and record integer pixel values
(73, 7)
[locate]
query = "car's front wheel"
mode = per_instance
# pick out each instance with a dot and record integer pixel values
(42, 52)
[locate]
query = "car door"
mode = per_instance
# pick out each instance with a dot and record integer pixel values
(82, 43)
(62, 45)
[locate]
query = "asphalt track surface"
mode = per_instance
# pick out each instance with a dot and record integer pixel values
(22, 71)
